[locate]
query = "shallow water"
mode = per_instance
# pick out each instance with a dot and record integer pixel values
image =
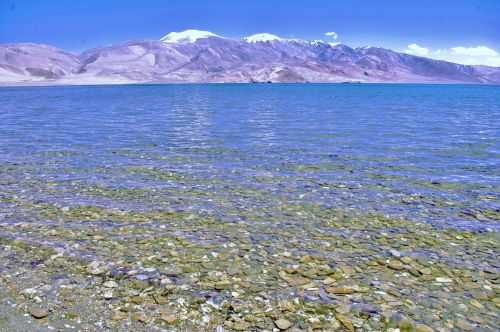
(250, 207)
(423, 152)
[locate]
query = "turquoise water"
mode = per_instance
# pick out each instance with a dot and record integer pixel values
(427, 153)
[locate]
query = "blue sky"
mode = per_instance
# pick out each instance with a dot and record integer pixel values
(429, 25)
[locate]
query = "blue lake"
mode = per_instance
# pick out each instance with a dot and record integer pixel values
(250, 207)
(426, 153)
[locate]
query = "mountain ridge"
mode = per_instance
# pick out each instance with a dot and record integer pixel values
(194, 56)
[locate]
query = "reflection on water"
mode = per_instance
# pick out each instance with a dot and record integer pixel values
(190, 120)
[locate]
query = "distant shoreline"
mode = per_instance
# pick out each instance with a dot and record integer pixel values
(55, 84)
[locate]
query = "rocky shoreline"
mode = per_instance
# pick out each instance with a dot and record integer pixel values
(166, 271)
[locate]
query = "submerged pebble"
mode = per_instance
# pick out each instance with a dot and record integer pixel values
(39, 313)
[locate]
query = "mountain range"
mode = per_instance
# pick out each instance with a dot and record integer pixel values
(202, 56)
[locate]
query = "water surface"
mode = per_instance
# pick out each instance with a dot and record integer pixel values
(424, 152)
(233, 207)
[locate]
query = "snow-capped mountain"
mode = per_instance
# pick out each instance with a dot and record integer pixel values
(262, 37)
(187, 36)
(202, 56)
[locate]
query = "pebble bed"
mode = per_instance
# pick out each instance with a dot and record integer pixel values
(195, 255)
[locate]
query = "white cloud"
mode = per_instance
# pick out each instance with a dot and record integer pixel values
(332, 34)
(478, 55)
(415, 49)
(474, 51)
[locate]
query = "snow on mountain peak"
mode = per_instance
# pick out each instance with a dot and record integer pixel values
(187, 36)
(317, 42)
(261, 37)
